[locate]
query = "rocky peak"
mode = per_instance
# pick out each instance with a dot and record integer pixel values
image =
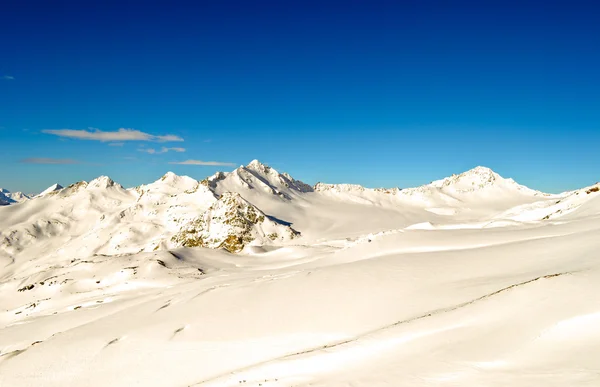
(232, 223)
(211, 181)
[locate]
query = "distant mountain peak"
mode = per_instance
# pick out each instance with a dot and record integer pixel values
(102, 182)
(256, 164)
(256, 175)
(480, 170)
(259, 168)
(169, 175)
(53, 188)
(173, 183)
(471, 180)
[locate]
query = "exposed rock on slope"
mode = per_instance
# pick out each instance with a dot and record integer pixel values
(232, 223)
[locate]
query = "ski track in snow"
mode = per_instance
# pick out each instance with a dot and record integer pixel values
(379, 330)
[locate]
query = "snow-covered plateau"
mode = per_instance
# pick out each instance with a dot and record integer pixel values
(254, 278)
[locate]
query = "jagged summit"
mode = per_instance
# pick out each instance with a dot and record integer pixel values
(257, 167)
(257, 176)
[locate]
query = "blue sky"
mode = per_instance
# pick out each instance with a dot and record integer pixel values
(376, 93)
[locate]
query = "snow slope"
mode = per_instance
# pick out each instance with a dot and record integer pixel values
(53, 188)
(472, 280)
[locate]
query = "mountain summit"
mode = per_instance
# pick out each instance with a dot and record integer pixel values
(257, 176)
(478, 178)
(53, 188)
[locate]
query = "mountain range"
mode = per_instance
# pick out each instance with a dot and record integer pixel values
(254, 278)
(255, 205)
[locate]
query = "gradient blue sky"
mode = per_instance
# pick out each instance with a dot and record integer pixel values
(394, 93)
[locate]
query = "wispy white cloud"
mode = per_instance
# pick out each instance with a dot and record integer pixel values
(200, 162)
(8, 77)
(47, 160)
(116, 144)
(120, 135)
(161, 150)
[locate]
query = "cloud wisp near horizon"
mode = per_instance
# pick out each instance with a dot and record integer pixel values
(120, 135)
(48, 160)
(117, 140)
(203, 163)
(153, 151)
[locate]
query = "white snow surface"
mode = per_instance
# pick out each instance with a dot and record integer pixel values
(472, 280)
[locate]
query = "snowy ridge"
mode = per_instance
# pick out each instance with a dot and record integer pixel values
(148, 217)
(339, 188)
(561, 205)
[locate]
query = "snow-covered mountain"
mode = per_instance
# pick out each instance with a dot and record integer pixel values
(103, 217)
(263, 280)
(7, 197)
(258, 177)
